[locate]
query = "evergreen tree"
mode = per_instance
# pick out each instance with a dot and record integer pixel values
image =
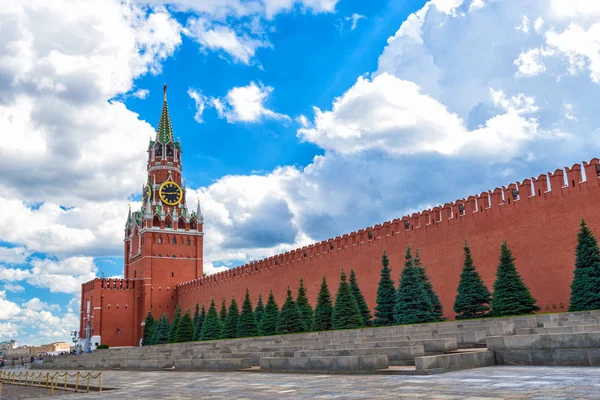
(185, 329)
(149, 328)
(196, 316)
(175, 324)
(436, 304)
(413, 305)
(223, 312)
(360, 300)
(211, 328)
(156, 333)
(473, 298)
(304, 307)
(268, 322)
(585, 288)
(289, 320)
(511, 296)
(247, 325)
(231, 322)
(163, 329)
(198, 328)
(323, 310)
(346, 314)
(259, 310)
(386, 296)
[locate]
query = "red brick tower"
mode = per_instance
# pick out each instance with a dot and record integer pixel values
(163, 241)
(163, 247)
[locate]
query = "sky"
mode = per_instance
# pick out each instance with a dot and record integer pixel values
(299, 120)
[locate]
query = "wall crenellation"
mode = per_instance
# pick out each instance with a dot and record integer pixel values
(561, 182)
(109, 284)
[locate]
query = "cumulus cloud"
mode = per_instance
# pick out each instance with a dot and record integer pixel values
(199, 102)
(245, 104)
(240, 46)
(141, 93)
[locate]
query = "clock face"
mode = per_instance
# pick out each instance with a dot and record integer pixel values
(170, 193)
(147, 194)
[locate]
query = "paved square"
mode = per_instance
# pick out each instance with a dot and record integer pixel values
(500, 382)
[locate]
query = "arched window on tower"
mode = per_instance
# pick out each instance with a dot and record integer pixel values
(159, 240)
(156, 221)
(158, 150)
(168, 222)
(181, 223)
(169, 150)
(187, 241)
(193, 225)
(174, 240)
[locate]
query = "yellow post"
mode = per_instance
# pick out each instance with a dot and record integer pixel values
(66, 376)
(77, 381)
(100, 377)
(89, 376)
(47, 377)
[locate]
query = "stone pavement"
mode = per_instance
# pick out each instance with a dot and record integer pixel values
(498, 382)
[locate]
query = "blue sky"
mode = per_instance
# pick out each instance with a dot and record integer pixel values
(300, 120)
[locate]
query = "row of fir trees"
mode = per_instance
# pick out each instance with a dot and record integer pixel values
(414, 301)
(349, 310)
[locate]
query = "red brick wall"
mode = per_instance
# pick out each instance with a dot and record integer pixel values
(112, 307)
(540, 228)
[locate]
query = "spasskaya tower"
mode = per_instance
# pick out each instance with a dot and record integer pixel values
(163, 246)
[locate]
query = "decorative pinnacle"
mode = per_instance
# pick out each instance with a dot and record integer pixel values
(165, 92)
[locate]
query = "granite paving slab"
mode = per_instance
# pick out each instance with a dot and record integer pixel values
(497, 382)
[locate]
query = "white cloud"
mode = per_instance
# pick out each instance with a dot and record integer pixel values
(13, 255)
(354, 18)
(141, 93)
(63, 276)
(581, 46)
(240, 46)
(530, 63)
(11, 287)
(199, 102)
(246, 104)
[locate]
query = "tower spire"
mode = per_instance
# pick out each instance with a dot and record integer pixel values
(164, 132)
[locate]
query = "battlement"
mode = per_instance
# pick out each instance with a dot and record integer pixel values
(519, 195)
(108, 284)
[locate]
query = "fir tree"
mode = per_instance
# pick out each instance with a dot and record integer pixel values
(289, 320)
(198, 328)
(323, 310)
(223, 312)
(386, 296)
(346, 314)
(413, 305)
(211, 328)
(174, 324)
(156, 333)
(473, 298)
(259, 310)
(231, 322)
(268, 322)
(304, 307)
(436, 304)
(585, 288)
(365, 312)
(185, 329)
(511, 296)
(163, 329)
(196, 316)
(149, 328)
(247, 325)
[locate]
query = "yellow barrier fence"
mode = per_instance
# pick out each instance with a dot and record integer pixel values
(50, 381)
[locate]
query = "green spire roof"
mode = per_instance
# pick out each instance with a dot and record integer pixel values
(164, 132)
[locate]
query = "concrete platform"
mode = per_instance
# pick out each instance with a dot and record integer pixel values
(344, 364)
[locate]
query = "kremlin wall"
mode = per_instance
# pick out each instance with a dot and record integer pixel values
(539, 219)
(163, 248)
